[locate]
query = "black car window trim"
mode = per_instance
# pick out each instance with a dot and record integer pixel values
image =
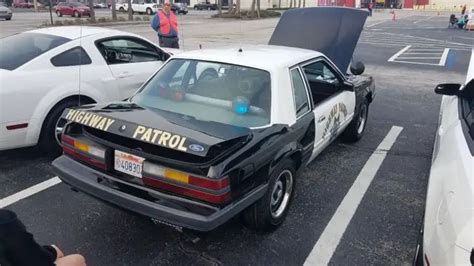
(131, 38)
(84, 61)
(341, 78)
(307, 90)
(465, 127)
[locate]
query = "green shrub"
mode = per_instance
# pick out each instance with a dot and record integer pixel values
(58, 23)
(137, 18)
(121, 19)
(102, 20)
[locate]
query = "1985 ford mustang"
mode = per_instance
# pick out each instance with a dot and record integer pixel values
(218, 132)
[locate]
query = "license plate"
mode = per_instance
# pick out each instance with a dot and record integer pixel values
(128, 163)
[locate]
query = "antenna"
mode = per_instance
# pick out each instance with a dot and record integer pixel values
(182, 36)
(80, 64)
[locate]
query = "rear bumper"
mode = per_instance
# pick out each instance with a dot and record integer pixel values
(169, 209)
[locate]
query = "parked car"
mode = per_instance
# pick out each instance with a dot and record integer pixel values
(22, 5)
(5, 12)
(179, 8)
(148, 7)
(447, 236)
(72, 9)
(205, 6)
(100, 5)
(121, 6)
(60, 67)
(222, 131)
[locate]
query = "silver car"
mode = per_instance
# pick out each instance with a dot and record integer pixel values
(5, 12)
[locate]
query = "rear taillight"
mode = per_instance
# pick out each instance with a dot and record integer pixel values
(84, 151)
(210, 190)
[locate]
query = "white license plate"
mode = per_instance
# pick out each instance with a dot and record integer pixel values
(128, 163)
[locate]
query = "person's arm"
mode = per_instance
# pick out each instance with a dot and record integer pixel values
(155, 22)
(19, 245)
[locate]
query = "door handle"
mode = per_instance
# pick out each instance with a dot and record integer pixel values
(321, 119)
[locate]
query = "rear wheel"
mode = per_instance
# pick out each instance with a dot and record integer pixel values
(356, 128)
(52, 127)
(121, 9)
(269, 212)
(76, 14)
(8, 18)
(59, 13)
(149, 11)
(209, 8)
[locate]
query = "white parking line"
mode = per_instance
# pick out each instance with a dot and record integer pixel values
(29, 192)
(442, 61)
(391, 59)
(329, 240)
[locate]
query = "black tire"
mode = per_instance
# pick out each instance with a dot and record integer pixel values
(356, 128)
(59, 14)
(149, 11)
(268, 213)
(418, 259)
(121, 9)
(76, 14)
(195, 8)
(8, 18)
(47, 141)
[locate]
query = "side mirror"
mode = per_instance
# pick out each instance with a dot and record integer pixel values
(448, 89)
(357, 68)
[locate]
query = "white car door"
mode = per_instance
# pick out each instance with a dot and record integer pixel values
(333, 106)
(131, 61)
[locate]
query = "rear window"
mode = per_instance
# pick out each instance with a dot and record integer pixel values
(209, 91)
(19, 49)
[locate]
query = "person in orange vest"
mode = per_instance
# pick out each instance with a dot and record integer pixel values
(165, 24)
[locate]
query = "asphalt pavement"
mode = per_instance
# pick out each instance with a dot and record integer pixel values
(384, 227)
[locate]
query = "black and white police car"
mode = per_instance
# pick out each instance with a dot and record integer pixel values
(222, 131)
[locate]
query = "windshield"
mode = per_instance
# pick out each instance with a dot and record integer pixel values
(78, 4)
(228, 94)
(18, 49)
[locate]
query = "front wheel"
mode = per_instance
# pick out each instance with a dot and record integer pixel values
(269, 212)
(149, 11)
(76, 14)
(59, 14)
(356, 128)
(121, 9)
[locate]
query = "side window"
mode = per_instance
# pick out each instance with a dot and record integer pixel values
(129, 50)
(322, 80)
(73, 57)
(467, 104)
(299, 93)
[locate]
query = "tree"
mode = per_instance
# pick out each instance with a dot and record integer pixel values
(114, 10)
(130, 10)
(238, 7)
(279, 3)
(304, 3)
(252, 7)
(258, 8)
(92, 12)
(291, 3)
(219, 7)
(299, 3)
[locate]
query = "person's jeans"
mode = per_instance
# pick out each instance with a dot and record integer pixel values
(170, 42)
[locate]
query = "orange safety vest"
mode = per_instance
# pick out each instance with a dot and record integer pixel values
(165, 23)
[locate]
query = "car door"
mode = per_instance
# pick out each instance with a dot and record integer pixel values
(68, 9)
(131, 61)
(333, 106)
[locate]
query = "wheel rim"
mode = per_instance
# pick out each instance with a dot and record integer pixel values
(362, 119)
(58, 129)
(281, 193)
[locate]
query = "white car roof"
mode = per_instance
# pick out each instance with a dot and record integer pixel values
(74, 32)
(266, 57)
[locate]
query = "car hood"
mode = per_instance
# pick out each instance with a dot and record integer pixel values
(333, 31)
(2, 8)
(184, 133)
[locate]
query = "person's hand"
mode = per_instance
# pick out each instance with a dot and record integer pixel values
(59, 253)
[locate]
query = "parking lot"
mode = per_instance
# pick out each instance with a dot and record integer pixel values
(407, 57)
